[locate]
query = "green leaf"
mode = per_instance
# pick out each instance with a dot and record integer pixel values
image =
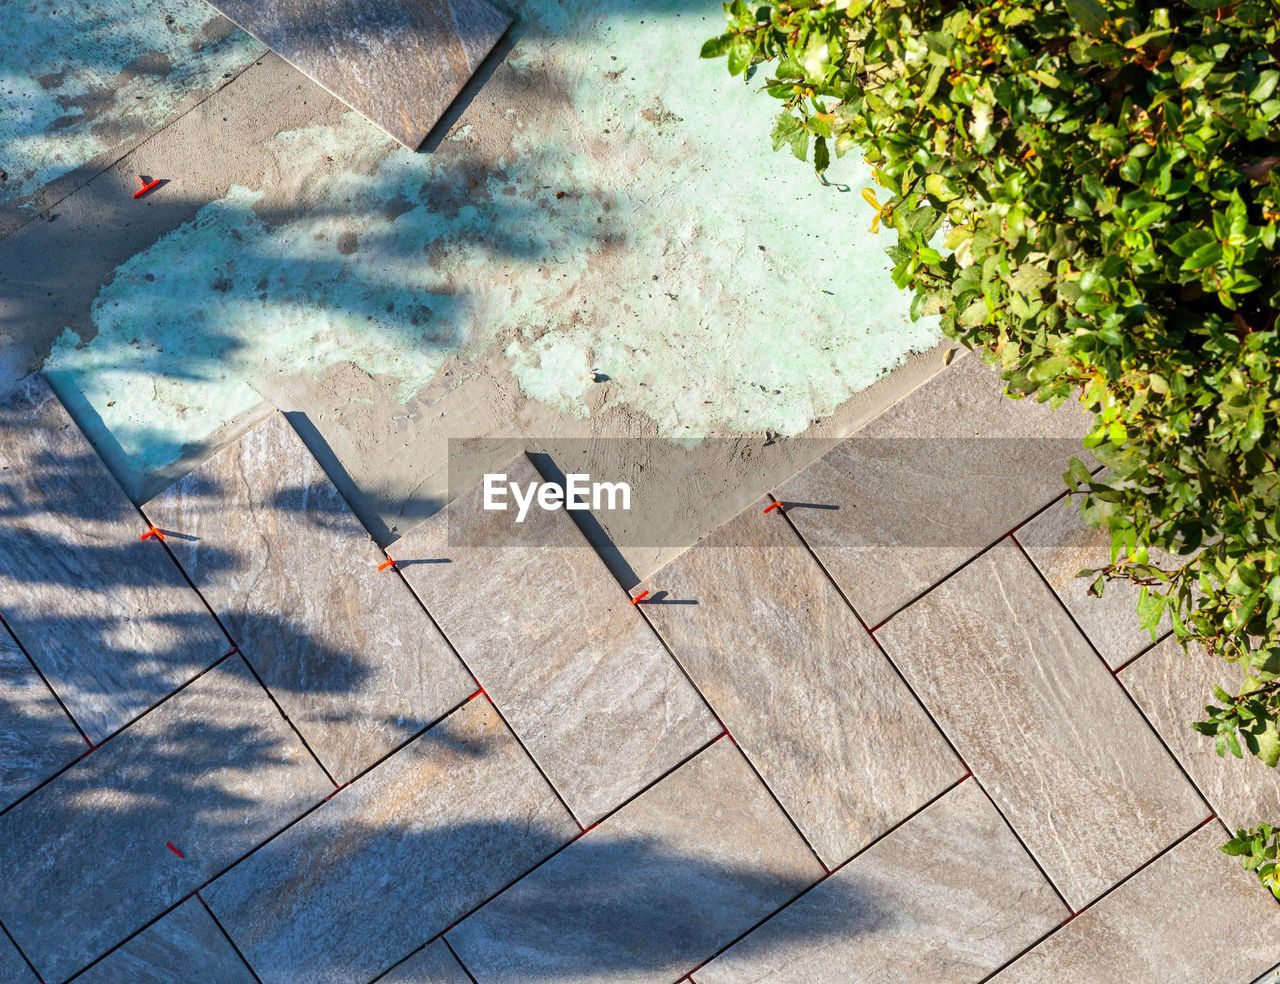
(821, 156)
(716, 47)
(1089, 14)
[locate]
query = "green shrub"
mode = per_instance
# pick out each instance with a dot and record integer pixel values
(1089, 194)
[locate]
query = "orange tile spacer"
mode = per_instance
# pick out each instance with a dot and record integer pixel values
(640, 597)
(152, 532)
(145, 187)
(386, 563)
(776, 505)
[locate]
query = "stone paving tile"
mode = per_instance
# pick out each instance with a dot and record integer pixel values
(433, 964)
(214, 771)
(583, 680)
(800, 684)
(654, 890)
(1042, 723)
(1191, 917)
(397, 63)
(353, 660)
(395, 858)
(968, 902)
(1172, 688)
(36, 736)
(13, 969)
(1060, 545)
(107, 617)
(929, 483)
(184, 946)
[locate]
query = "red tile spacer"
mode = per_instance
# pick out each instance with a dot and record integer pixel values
(386, 563)
(152, 532)
(173, 849)
(776, 505)
(145, 187)
(640, 597)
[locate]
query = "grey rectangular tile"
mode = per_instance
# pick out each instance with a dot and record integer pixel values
(654, 890)
(108, 618)
(1193, 916)
(1061, 545)
(555, 641)
(395, 858)
(799, 683)
(184, 945)
(36, 736)
(353, 660)
(13, 969)
(214, 771)
(399, 63)
(930, 483)
(1172, 688)
(948, 896)
(433, 964)
(1042, 723)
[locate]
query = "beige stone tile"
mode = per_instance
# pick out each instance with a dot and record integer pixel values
(214, 771)
(930, 483)
(949, 896)
(555, 641)
(799, 683)
(395, 858)
(1061, 545)
(36, 736)
(184, 946)
(353, 660)
(108, 618)
(1043, 724)
(398, 64)
(1173, 688)
(433, 964)
(1193, 916)
(653, 891)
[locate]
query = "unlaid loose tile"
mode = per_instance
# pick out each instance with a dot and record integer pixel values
(184, 945)
(433, 964)
(1061, 545)
(1042, 723)
(36, 736)
(583, 680)
(395, 858)
(214, 771)
(799, 683)
(399, 63)
(654, 890)
(930, 483)
(1173, 688)
(276, 551)
(948, 896)
(107, 618)
(1193, 915)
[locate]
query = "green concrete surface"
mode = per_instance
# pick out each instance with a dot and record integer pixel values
(614, 211)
